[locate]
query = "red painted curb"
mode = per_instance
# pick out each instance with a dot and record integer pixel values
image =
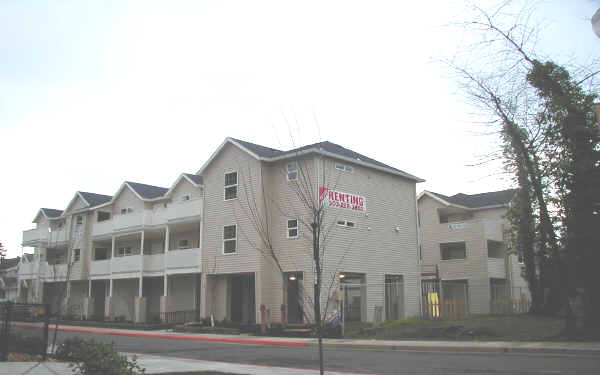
(175, 337)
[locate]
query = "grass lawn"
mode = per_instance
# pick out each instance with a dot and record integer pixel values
(479, 327)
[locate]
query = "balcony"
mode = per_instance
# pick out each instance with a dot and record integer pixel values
(57, 237)
(100, 269)
(28, 270)
(472, 230)
(36, 236)
(182, 210)
(130, 221)
(126, 266)
(496, 268)
(183, 261)
(53, 272)
(154, 264)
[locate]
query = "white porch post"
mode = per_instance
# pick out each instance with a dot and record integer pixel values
(141, 265)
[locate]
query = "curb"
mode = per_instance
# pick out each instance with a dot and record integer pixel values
(172, 336)
(414, 346)
(463, 349)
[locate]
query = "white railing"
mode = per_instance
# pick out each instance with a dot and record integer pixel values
(100, 268)
(154, 263)
(126, 264)
(182, 210)
(58, 236)
(53, 272)
(103, 228)
(183, 259)
(35, 235)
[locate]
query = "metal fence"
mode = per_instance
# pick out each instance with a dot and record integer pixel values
(30, 337)
(175, 317)
(456, 299)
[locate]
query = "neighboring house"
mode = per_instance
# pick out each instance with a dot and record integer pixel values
(8, 279)
(148, 252)
(462, 244)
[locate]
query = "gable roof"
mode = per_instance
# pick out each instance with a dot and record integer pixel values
(475, 201)
(198, 180)
(147, 191)
(326, 148)
(51, 213)
(94, 199)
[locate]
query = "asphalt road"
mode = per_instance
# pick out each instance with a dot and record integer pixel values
(356, 360)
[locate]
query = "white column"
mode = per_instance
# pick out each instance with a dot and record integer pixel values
(165, 285)
(90, 288)
(141, 265)
(110, 287)
(165, 276)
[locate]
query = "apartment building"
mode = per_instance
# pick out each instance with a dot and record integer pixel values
(233, 240)
(8, 279)
(463, 244)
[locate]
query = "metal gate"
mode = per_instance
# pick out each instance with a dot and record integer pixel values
(31, 336)
(430, 290)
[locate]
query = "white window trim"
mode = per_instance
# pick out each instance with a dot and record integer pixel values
(187, 244)
(127, 210)
(78, 255)
(287, 170)
(344, 168)
(125, 254)
(237, 176)
(78, 220)
(185, 198)
(230, 239)
(297, 227)
(344, 224)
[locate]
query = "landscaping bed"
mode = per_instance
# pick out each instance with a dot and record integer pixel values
(523, 327)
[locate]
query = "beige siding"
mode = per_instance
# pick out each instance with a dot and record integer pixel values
(125, 200)
(185, 187)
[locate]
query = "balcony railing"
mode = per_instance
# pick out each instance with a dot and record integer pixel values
(183, 260)
(126, 265)
(35, 235)
(182, 210)
(100, 268)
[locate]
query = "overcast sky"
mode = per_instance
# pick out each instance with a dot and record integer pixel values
(93, 93)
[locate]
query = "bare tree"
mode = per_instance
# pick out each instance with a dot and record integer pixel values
(315, 222)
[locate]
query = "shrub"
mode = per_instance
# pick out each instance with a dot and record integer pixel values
(92, 358)
(26, 344)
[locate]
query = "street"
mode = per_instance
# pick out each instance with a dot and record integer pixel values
(354, 360)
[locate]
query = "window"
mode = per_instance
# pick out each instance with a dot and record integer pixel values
(124, 251)
(292, 228)
(229, 239)
(60, 224)
(183, 244)
(520, 258)
(79, 220)
(345, 223)
(184, 198)
(76, 255)
(103, 216)
(344, 168)
(230, 186)
(125, 211)
(101, 253)
(495, 249)
(453, 250)
(292, 171)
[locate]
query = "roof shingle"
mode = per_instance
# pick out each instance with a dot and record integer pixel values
(194, 177)
(493, 198)
(95, 199)
(51, 212)
(147, 191)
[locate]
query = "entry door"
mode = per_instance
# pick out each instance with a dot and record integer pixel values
(236, 299)
(294, 298)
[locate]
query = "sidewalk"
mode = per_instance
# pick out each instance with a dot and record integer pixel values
(572, 348)
(159, 364)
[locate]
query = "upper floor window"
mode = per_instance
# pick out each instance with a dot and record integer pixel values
(292, 171)
(345, 223)
(185, 198)
(292, 228)
(344, 168)
(60, 224)
(126, 210)
(495, 249)
(76, 255)
(453, 250)
(229, 239)
(124, 251)
(79, 220)
(103, 216)
(231, 186)
(183, 244)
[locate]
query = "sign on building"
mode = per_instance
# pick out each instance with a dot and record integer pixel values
(334, 198)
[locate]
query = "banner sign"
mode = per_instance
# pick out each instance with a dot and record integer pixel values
(333, 198)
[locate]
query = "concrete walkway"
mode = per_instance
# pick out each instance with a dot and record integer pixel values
(159, 364)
